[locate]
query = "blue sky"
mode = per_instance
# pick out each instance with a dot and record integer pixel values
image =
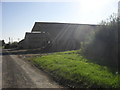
(19, 17)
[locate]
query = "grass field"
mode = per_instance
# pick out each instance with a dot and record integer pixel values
(71, 69)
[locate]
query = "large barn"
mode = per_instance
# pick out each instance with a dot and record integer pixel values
(56, 36)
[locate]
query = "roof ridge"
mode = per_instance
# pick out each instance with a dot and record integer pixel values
(63, 23)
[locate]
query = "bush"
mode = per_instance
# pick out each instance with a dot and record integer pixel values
(103, 48)
(12, 45)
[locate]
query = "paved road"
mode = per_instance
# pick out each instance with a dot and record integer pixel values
(17, 73)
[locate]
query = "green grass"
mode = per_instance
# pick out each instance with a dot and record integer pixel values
(73, 70)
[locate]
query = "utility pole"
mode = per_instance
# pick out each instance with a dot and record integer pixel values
(119, 9)
(18, 39)
(9, 40)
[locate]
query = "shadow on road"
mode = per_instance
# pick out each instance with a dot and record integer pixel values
(23, 51)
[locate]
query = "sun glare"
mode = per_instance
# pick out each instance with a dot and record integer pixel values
(92, 5)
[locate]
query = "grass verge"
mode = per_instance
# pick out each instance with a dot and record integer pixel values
(71, 69)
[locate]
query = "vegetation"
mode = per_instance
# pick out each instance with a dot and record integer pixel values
(102, 47)
(2, 43)
(73, 70)
(11, 45)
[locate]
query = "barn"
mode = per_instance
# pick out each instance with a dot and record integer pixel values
(56, 36)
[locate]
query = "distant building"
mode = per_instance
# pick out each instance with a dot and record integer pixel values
(119, 9)
(56, 36)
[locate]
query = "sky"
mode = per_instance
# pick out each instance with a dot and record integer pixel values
(19, 17)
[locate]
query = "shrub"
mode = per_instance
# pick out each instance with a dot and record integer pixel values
(12, 45)
(104, 46)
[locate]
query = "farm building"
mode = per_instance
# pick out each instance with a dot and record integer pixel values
(56, 36)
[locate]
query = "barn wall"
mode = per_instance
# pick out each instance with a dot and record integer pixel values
(57, 36)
